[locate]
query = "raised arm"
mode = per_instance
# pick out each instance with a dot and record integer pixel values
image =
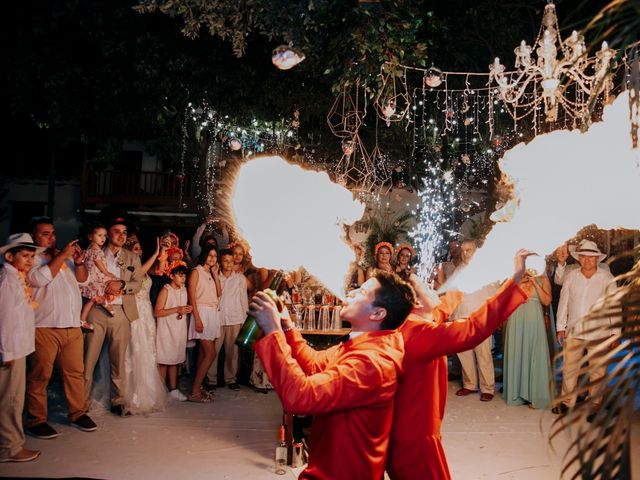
(144, 268)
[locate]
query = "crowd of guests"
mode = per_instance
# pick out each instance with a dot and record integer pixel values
(62, 305)
(557, 299)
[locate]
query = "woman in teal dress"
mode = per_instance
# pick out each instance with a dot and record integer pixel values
(526, 363)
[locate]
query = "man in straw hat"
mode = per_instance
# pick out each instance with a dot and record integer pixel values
(17, 334)
(581, 290)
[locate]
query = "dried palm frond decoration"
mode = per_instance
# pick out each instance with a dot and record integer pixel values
(599, 446)
(385, 225)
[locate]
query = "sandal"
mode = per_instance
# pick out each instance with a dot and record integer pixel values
(199, 398)
(206, 393)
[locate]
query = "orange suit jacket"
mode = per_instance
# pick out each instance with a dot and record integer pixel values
(349, 389)
(415, 450)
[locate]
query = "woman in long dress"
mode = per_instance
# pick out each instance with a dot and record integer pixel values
(527, 366)
(145, 391)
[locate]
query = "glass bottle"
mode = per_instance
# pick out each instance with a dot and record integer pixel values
(281, 454)
(250, 331)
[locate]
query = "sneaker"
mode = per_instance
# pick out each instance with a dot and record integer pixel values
(84, 423)
(24, 455)
(209, 387)
(177, 395)
(43, 430)
(234, 386)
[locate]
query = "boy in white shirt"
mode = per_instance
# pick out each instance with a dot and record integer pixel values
(17, 340)
(233, 307)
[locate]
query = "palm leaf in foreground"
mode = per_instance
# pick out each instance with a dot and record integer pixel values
(600, 449)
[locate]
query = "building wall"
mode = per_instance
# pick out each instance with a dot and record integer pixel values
(24, 198)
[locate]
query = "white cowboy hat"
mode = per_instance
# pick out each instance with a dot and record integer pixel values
(20, 240)
(587, 248)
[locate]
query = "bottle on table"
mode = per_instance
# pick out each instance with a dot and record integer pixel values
(281, 454)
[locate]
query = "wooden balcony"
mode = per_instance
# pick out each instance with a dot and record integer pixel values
(159, 191)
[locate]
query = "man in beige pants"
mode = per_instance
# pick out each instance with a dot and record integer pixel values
(125, 265)
(479, 357)
(581, 290)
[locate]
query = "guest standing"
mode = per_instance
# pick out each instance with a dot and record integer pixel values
(17, 340)
(526, 367)
(125, 265)
(234, 305)
(145, 391)
(58, 336)
(204, 291)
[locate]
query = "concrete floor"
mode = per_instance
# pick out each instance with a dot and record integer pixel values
(235, 437)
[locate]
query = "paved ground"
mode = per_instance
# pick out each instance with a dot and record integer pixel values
(235, 439)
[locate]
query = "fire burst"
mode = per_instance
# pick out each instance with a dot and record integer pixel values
(293, 217)
(563, 180)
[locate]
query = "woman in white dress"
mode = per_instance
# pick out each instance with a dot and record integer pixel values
(204, 291)
(145, 391)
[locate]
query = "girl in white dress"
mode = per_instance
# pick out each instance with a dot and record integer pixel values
(145, 391)
(171, 342)
(204, 291)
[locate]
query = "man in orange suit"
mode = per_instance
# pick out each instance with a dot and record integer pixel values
(349, 388)
(415, 449)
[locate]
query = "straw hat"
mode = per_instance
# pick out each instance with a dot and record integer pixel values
(20, 240)
(587, 248)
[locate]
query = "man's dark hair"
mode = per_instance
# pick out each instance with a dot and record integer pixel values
(396, 296)
(35, 221)
(204, 253)
(225, 251)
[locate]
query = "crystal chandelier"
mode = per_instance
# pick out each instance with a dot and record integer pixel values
(561, 75)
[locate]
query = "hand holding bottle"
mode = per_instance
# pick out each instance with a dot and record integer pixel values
(265, 312)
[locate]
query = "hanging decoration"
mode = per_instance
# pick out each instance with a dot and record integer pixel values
(392, 103)
(562, 75)
(285, 57)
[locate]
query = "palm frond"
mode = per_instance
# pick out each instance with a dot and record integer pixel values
(600, 449)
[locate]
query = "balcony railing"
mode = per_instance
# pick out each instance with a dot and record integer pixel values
(137, 189)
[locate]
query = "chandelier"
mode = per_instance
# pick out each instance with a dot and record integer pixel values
(561, 75)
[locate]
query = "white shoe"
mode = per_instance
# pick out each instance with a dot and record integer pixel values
(178, 395)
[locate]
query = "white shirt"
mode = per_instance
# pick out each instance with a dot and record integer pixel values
(59, 299)
(17, 320)
(113, 267)
(577, 297)
(562, 270)
(234, 302)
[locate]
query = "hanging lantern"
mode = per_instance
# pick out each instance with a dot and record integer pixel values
(388, 110)
(180, 177)
(284, 57)
(235, 144)
(433, 78)
(497, 141)
(347, 147)
(466, 159)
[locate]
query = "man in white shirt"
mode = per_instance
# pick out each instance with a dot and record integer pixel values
(58, 335)
(480, 357)
(234, 305)
(581, 290)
